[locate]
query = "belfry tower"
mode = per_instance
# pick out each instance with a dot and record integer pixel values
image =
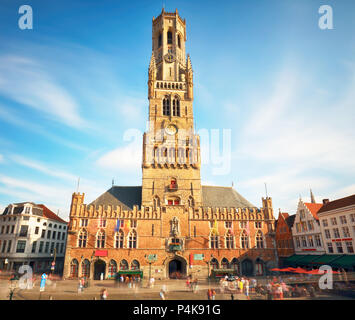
(171, 149)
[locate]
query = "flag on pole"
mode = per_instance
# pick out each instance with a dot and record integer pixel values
(248, 230)
(215, 228)
(117, 228)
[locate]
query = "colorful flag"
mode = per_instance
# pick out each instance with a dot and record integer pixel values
(215, 228)
(117, 228)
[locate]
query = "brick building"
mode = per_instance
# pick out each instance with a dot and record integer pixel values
(283, 236)
(171, 226)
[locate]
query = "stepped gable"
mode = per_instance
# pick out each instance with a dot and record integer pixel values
(223, 197)
(126, 197)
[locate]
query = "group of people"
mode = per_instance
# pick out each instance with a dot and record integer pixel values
(131, 281)
(238, 285)
(192, 284)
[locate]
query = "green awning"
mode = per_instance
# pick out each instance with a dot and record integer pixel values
(326, 259)
(294, 258)
(346, 261)
(132, 272)
(307, 259)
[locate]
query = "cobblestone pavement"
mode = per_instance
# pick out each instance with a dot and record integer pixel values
(67, 290)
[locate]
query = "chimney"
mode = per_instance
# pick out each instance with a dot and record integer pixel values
(325, 201)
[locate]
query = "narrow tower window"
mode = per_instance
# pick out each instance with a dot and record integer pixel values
(179, 41)
(170, 37)
(159, 41)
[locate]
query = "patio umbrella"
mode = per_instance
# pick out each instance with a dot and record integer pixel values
(300, 270)
(276, 269)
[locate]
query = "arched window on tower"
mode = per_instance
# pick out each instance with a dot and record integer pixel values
(179, 41)
(166, 106)
(156, 202)
(159, 40)
(170, 37)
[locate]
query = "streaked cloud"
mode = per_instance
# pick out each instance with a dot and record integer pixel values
(24, 81)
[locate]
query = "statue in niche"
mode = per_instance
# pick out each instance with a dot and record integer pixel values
(175, 227)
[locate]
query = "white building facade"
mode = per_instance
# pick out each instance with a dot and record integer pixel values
(306, 231)
(337, 222)
(31, 234)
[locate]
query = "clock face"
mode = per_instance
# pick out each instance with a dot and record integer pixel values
(170, 129)
(169, 57)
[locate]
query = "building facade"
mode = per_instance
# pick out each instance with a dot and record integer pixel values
(283, 236)
(337, 223)
(306, 231)
(31, 234)
(171, 226)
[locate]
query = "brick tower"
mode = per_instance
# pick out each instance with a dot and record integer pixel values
(171, 149)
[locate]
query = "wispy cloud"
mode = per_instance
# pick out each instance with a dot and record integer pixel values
(24, 81)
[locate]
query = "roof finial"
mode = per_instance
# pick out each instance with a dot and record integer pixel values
(113, 181)
(312, 197)
(265, 189)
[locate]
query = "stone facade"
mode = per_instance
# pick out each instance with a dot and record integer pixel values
(191, 229)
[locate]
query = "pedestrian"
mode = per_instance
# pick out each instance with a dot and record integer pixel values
(232, 296)
(162, 296)
(213, 294)
(246, 283)
(209, 294)
(43, 281)
(241, 285)
(103, 294)
(80, 286)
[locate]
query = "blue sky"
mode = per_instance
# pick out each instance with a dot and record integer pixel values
(73, 93)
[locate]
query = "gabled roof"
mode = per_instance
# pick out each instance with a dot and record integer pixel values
(50, 215)
(290, 220)
(339, 203)
(313, 208)
(223, 197)
(127, 197)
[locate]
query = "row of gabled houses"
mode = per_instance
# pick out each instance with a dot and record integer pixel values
(318, 234)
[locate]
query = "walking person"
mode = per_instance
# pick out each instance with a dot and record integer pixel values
(162, 295)
(103, 294)
(43, 281)
(209, 294)
(246, 283)
(213, 294)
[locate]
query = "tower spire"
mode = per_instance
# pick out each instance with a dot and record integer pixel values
(312, 197)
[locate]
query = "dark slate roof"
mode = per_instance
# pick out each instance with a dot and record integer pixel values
(127, 197)
(339, 203)
(223, 197)
(290, 220)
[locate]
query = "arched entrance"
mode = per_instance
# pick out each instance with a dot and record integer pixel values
(177, 268)
(99, 268)
(247, 268)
